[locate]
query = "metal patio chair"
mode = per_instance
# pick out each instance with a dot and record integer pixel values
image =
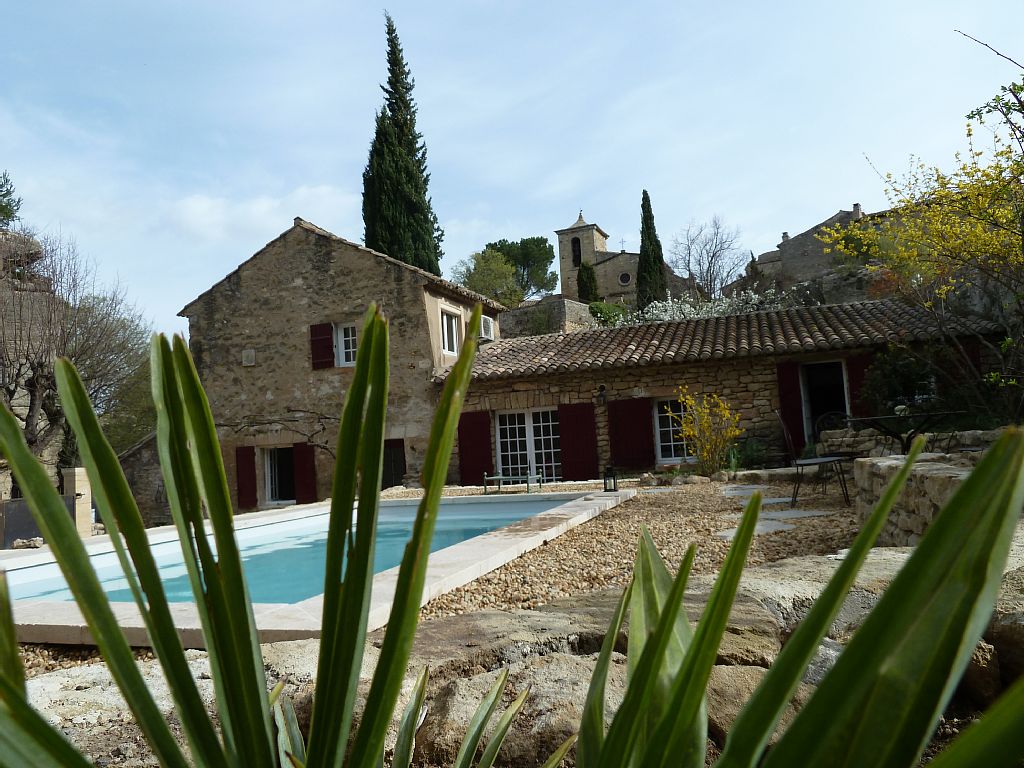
(823, 463)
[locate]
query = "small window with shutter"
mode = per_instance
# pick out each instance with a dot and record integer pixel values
(333, 345)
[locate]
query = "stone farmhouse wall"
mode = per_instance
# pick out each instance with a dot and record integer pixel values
(141, 465)
(552, 314)
(749, 385)
(251, 339)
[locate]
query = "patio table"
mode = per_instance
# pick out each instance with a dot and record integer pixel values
(903, 427)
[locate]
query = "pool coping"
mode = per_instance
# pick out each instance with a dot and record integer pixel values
(39, 621)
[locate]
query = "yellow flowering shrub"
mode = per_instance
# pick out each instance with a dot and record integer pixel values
(709, 426)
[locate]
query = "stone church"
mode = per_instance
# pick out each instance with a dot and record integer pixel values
(584, 243)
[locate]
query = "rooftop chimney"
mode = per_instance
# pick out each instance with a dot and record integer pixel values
(857, 211)
(785, 236)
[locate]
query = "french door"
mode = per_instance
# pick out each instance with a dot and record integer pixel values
(529, 443)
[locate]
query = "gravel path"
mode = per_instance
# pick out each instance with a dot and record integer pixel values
(595, 555)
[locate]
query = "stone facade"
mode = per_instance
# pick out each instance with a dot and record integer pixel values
(141, 466)
(615, 270)
(252, 335)
(748, 385)
(551, 314)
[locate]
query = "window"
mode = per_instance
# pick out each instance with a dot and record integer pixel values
(450, 332)
(625, 278)
(671, 446)
(344, 345)
(577, 252)
(529, 443)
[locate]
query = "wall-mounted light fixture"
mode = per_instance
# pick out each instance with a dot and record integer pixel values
(602, 395)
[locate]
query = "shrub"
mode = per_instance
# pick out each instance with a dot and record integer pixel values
(605, 313)
(709, 426)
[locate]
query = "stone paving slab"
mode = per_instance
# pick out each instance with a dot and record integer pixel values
(795, 514)
(764, 526)
(742, 491)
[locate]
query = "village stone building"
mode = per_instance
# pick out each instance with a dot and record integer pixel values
(275, 345)
(805, 262)
(565, 406)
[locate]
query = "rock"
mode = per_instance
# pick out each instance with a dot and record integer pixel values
(647, 479)
(720, 477)
(690, 480)
(33, 543)
(824, 659)
(752, 637)
(981, 682)
(1006, 627)
(729, 688)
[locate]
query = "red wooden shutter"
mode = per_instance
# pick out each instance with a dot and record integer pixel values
(475, 456)
(791, 402)
(856, 369)
(631, 432)
(578, 440)
(304, 467)
(245, 476)
(321, 345)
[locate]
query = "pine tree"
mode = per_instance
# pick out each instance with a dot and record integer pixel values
(398, 217)
(650, 270)
(586, 284)
(9, 204)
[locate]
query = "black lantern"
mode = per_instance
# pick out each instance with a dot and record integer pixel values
(611, 482)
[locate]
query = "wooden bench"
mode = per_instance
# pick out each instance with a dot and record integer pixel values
(501, 480)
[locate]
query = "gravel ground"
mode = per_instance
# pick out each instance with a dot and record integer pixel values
(594, 555)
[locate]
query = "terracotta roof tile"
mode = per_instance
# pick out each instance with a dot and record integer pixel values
(804, 329)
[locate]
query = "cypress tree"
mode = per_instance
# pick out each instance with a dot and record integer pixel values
(398, 217)
(586, 284)
(650, 270)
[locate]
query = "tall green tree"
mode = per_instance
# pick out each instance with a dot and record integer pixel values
(9, 204)
(398, 217)
(586, 284)
(490, 274)
(532, 258)
(650, 271)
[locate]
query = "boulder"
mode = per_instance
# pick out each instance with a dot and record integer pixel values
(981, 682)
(728, 690)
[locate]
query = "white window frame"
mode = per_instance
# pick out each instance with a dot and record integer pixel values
(658, 412)
(449, 345)
(346, 345)
(531, 453)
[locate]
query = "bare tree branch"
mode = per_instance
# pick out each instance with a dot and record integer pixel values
(710, 253)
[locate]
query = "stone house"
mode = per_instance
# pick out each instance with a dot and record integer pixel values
(568, 405)
(275, 346)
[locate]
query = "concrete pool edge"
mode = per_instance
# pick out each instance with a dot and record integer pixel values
(449, 568)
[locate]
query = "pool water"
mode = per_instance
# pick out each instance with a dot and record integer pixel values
(284, 561)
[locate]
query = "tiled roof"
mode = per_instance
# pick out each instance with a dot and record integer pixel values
(804, 329)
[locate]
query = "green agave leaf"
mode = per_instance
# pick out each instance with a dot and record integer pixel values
(11, 668)
(59, 531)
(410, 722)
(881, 701)
(479, 722)
(404, 615)
(28, 739)
(187, 512)
(122, 519)
(290, 746)
(230, 608)
(341, 644)
(501, 729)
(995, 740)
(620, 745)
(673, 736)
(756, 722)
(653, 586)
(563, 749)
(591, 735)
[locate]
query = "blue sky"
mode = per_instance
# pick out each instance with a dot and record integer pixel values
(172, 140)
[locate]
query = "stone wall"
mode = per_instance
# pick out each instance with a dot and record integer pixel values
(870, 442)
(749, 385)
(933, 480)
(552, 314)
(141, 466)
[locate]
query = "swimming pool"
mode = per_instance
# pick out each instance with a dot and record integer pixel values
(284, 555)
